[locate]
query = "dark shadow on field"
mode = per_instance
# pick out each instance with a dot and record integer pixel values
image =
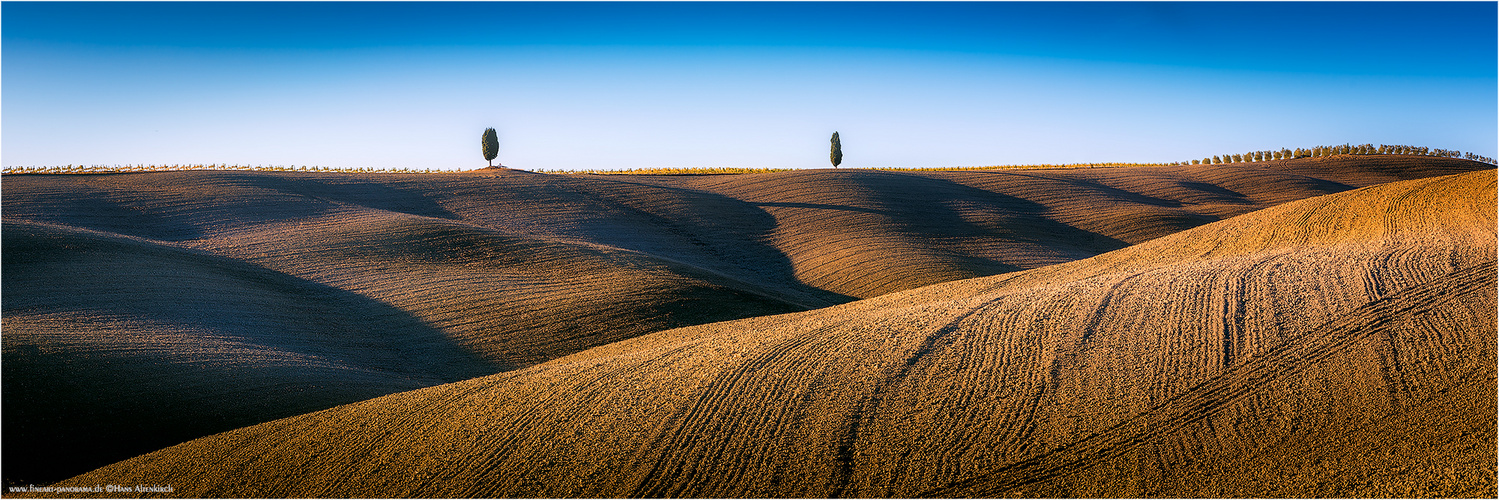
(822, 206)
(948, 220)
(372, 191)
(1215, 194)
(115, 347)
(707, 230)
(947, 212)
(70, 200)
(179, 206)
(1083, 187)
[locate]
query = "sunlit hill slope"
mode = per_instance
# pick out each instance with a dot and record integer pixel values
(202, 302)
(1336, 346)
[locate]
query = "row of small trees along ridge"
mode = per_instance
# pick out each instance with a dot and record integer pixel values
(1346, 149)
(835, 156)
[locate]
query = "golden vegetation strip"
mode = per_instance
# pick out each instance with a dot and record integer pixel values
(121, 169)
(1252, 156)
(672, 171)
(1320, 342)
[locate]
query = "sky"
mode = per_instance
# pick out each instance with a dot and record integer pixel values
(616, 85)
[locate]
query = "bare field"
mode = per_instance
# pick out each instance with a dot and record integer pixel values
(1299, 336)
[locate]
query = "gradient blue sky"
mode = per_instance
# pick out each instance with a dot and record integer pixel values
(625, 85)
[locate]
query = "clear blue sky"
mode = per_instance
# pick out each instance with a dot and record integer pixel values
(624, 85)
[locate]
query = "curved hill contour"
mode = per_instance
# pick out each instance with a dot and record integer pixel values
(120, 346)
(1340, 345)
(497, 270)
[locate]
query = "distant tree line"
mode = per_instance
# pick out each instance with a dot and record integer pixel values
(112, 169)
(1346, 149)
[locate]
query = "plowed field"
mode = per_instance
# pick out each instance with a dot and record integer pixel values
(1339, 345)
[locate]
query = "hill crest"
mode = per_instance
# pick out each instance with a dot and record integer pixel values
(1030, 383)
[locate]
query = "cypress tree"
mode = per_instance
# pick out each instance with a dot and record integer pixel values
(491, 145)
(836, 156)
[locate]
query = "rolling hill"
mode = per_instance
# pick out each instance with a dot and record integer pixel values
(117, 344)
(168, 306)
(1340, 345)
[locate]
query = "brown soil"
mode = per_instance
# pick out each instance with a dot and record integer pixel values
(1337, 346)
(407, 281)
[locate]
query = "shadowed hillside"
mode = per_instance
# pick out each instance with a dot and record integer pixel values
(115, 346)
(436, 278)
(1340, 345)
(866, 233)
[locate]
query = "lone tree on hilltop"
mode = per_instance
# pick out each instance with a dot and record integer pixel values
(837, 155)
(491, 145)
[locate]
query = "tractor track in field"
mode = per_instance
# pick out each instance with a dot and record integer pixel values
(1292, 356)
(597, 313)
